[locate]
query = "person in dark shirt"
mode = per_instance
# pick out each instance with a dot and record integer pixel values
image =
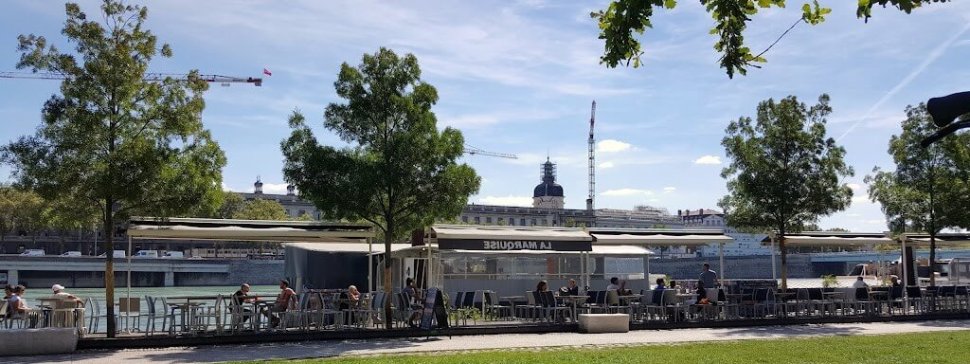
(658, 292)
(240, 297)
(571, 288)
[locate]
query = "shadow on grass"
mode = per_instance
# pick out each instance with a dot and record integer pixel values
(792, 331)
(955, 324)
(294, 350)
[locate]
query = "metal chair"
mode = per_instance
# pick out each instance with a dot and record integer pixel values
(492, 307)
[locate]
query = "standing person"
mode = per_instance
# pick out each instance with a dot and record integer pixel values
(614, 284)
(859, 283)
(708, 277)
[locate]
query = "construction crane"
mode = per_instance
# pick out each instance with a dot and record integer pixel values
(472, 150)
(150, 77)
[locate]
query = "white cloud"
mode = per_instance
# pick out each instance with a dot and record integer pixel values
(612, 146)
(669, 189)
(860, 199)
(274, 188)
(627, 192)
(606, 165)
(708, 159)
(509, 200)
(226, 187)
(854, 186)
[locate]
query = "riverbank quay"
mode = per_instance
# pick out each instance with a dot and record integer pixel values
(461, 343)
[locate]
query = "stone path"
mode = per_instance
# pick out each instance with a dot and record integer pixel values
(209, 354)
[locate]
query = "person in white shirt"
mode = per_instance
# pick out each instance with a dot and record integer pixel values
(859, 283)
(60, 294)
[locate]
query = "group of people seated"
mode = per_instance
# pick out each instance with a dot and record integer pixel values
(283, 301)
(17, 305)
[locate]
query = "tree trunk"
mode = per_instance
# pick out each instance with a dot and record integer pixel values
(932, 259)
(388, 238)
(109, 269)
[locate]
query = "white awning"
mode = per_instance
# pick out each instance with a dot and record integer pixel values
(620, 250)
(247, 230)
(660, 239)
(345, 247)
(469, 232)
(834, 240)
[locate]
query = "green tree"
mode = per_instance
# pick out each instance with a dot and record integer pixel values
(623, 20)
(783, 172)
(400, 172)
(111, 138)
(232, 203)
(68, 216)
(260, 209)
(928, 189)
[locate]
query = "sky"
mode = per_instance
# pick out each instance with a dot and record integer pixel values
(519, 77)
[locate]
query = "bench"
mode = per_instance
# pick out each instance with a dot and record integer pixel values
(38, 341)
(595, 323)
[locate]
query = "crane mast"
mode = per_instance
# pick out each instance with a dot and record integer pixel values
(150, 77)
(473, 150)
(592, 159)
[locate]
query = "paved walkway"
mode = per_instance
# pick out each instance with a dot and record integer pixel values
(208, 354)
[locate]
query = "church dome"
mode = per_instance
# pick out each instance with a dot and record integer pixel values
(548, 186)
(547, 189)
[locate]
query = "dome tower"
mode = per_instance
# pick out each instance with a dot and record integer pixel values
(548, 194)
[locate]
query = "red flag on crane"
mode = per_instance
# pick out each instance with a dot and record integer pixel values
(267, 72)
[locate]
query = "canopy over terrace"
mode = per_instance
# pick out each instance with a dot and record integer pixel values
(828, 238)
(248, 231)
(662, 237)
(508, 240)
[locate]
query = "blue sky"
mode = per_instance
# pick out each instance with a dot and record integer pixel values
(518, 77)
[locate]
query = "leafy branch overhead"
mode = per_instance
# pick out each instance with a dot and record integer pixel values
(623, 21)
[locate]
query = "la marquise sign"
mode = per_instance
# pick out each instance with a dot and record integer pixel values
(513, 245)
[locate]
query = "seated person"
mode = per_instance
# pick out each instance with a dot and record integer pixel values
(353, 295)
(542, 286)
(571, 289)
(415, 303)
(282, 303)
(59, 293)
(658, 292)
(240, 297)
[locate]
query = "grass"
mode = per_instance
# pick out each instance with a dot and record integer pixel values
(935, 347)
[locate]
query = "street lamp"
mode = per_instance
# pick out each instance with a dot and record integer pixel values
(944, 110)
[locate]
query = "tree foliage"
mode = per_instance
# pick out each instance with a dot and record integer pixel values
(784, 172)
(232, 203)
(259, 209)
(399, 172)
(110, 138)
(928, 191)
(624, 20)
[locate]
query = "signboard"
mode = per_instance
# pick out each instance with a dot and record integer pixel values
(513, 245)
(430, 302)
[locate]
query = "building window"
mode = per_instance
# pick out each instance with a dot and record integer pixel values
(511, 221)
(464, 219)
(478, 220)
(488, 220)
(522, 222)
(545, 222)
(533, 222)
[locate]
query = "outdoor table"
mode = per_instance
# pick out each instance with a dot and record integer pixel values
(737, 297)
(512, 301)
(188, 308)
(573, 302)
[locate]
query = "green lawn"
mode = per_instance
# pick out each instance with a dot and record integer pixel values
(938, 347)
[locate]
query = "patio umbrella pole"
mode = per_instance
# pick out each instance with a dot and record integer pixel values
(128, 284)
(720, 251)
(370, 266)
